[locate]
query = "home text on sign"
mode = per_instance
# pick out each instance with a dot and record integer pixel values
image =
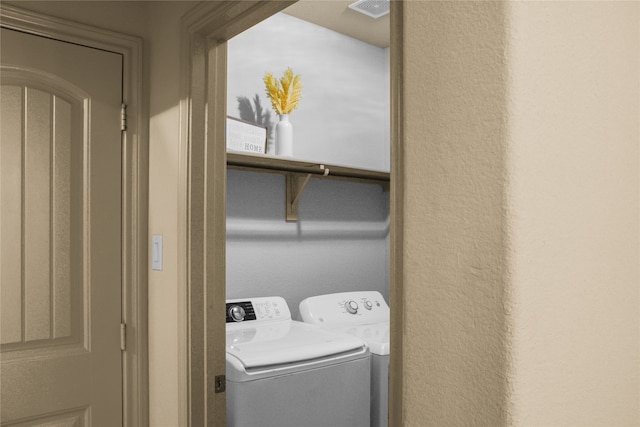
(246, 137)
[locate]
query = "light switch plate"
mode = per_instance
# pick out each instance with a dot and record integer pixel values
(156, 252)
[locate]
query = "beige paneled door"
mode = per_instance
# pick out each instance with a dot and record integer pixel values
(60, 233)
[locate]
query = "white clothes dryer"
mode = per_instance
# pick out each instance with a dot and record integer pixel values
(364, 315)
(282, 372)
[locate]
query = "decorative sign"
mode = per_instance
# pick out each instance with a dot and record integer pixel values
(245, 136)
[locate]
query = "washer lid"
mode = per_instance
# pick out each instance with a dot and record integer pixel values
(259, 345)
(375, 335)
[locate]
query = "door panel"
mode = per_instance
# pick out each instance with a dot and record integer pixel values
(38, 293)
(60, 233)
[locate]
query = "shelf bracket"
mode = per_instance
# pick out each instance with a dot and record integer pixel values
(296, 184)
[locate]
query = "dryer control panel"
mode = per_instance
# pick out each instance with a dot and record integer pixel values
(345, 308)
(262, 309)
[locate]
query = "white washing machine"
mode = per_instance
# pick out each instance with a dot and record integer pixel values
(282, 372)
(364, 315)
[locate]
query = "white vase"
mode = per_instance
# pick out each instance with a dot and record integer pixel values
(284, 137)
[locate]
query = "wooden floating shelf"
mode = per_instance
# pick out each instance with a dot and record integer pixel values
(280, 165)
(299, 172)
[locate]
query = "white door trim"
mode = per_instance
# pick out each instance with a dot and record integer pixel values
(135, 192)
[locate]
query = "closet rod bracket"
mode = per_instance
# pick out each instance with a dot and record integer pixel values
(296, 184)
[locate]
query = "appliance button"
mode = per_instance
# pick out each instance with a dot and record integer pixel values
(351, 306)
(237, 313)
(368, 305)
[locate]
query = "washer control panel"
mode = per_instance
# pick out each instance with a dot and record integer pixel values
(261, 309)
(345, 308)
(240, 311)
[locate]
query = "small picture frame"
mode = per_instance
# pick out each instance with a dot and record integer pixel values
(245, 137)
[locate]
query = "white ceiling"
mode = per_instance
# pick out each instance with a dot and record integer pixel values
(336, 15)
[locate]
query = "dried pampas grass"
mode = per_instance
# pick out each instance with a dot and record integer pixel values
(284, 93)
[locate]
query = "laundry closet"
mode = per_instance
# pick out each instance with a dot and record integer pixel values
(340, 239)
(307, 217)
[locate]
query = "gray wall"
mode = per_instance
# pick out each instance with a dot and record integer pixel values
(338, 244)
(343, 116)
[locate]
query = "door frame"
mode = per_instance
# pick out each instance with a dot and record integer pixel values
(204, 33)
(134, 193)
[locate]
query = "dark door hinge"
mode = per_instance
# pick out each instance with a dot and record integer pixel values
(123, 117)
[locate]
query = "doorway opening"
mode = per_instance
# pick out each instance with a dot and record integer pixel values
(210, 34)
(334, 243)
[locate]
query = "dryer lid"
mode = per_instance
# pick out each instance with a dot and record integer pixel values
(286, 342)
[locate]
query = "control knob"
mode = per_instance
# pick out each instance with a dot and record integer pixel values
(237, 313)
(368, 305)
(351, 306)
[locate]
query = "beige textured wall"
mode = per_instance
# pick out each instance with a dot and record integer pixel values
(166, 287)
(574, 212)
(454, 216)
(521, 214)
